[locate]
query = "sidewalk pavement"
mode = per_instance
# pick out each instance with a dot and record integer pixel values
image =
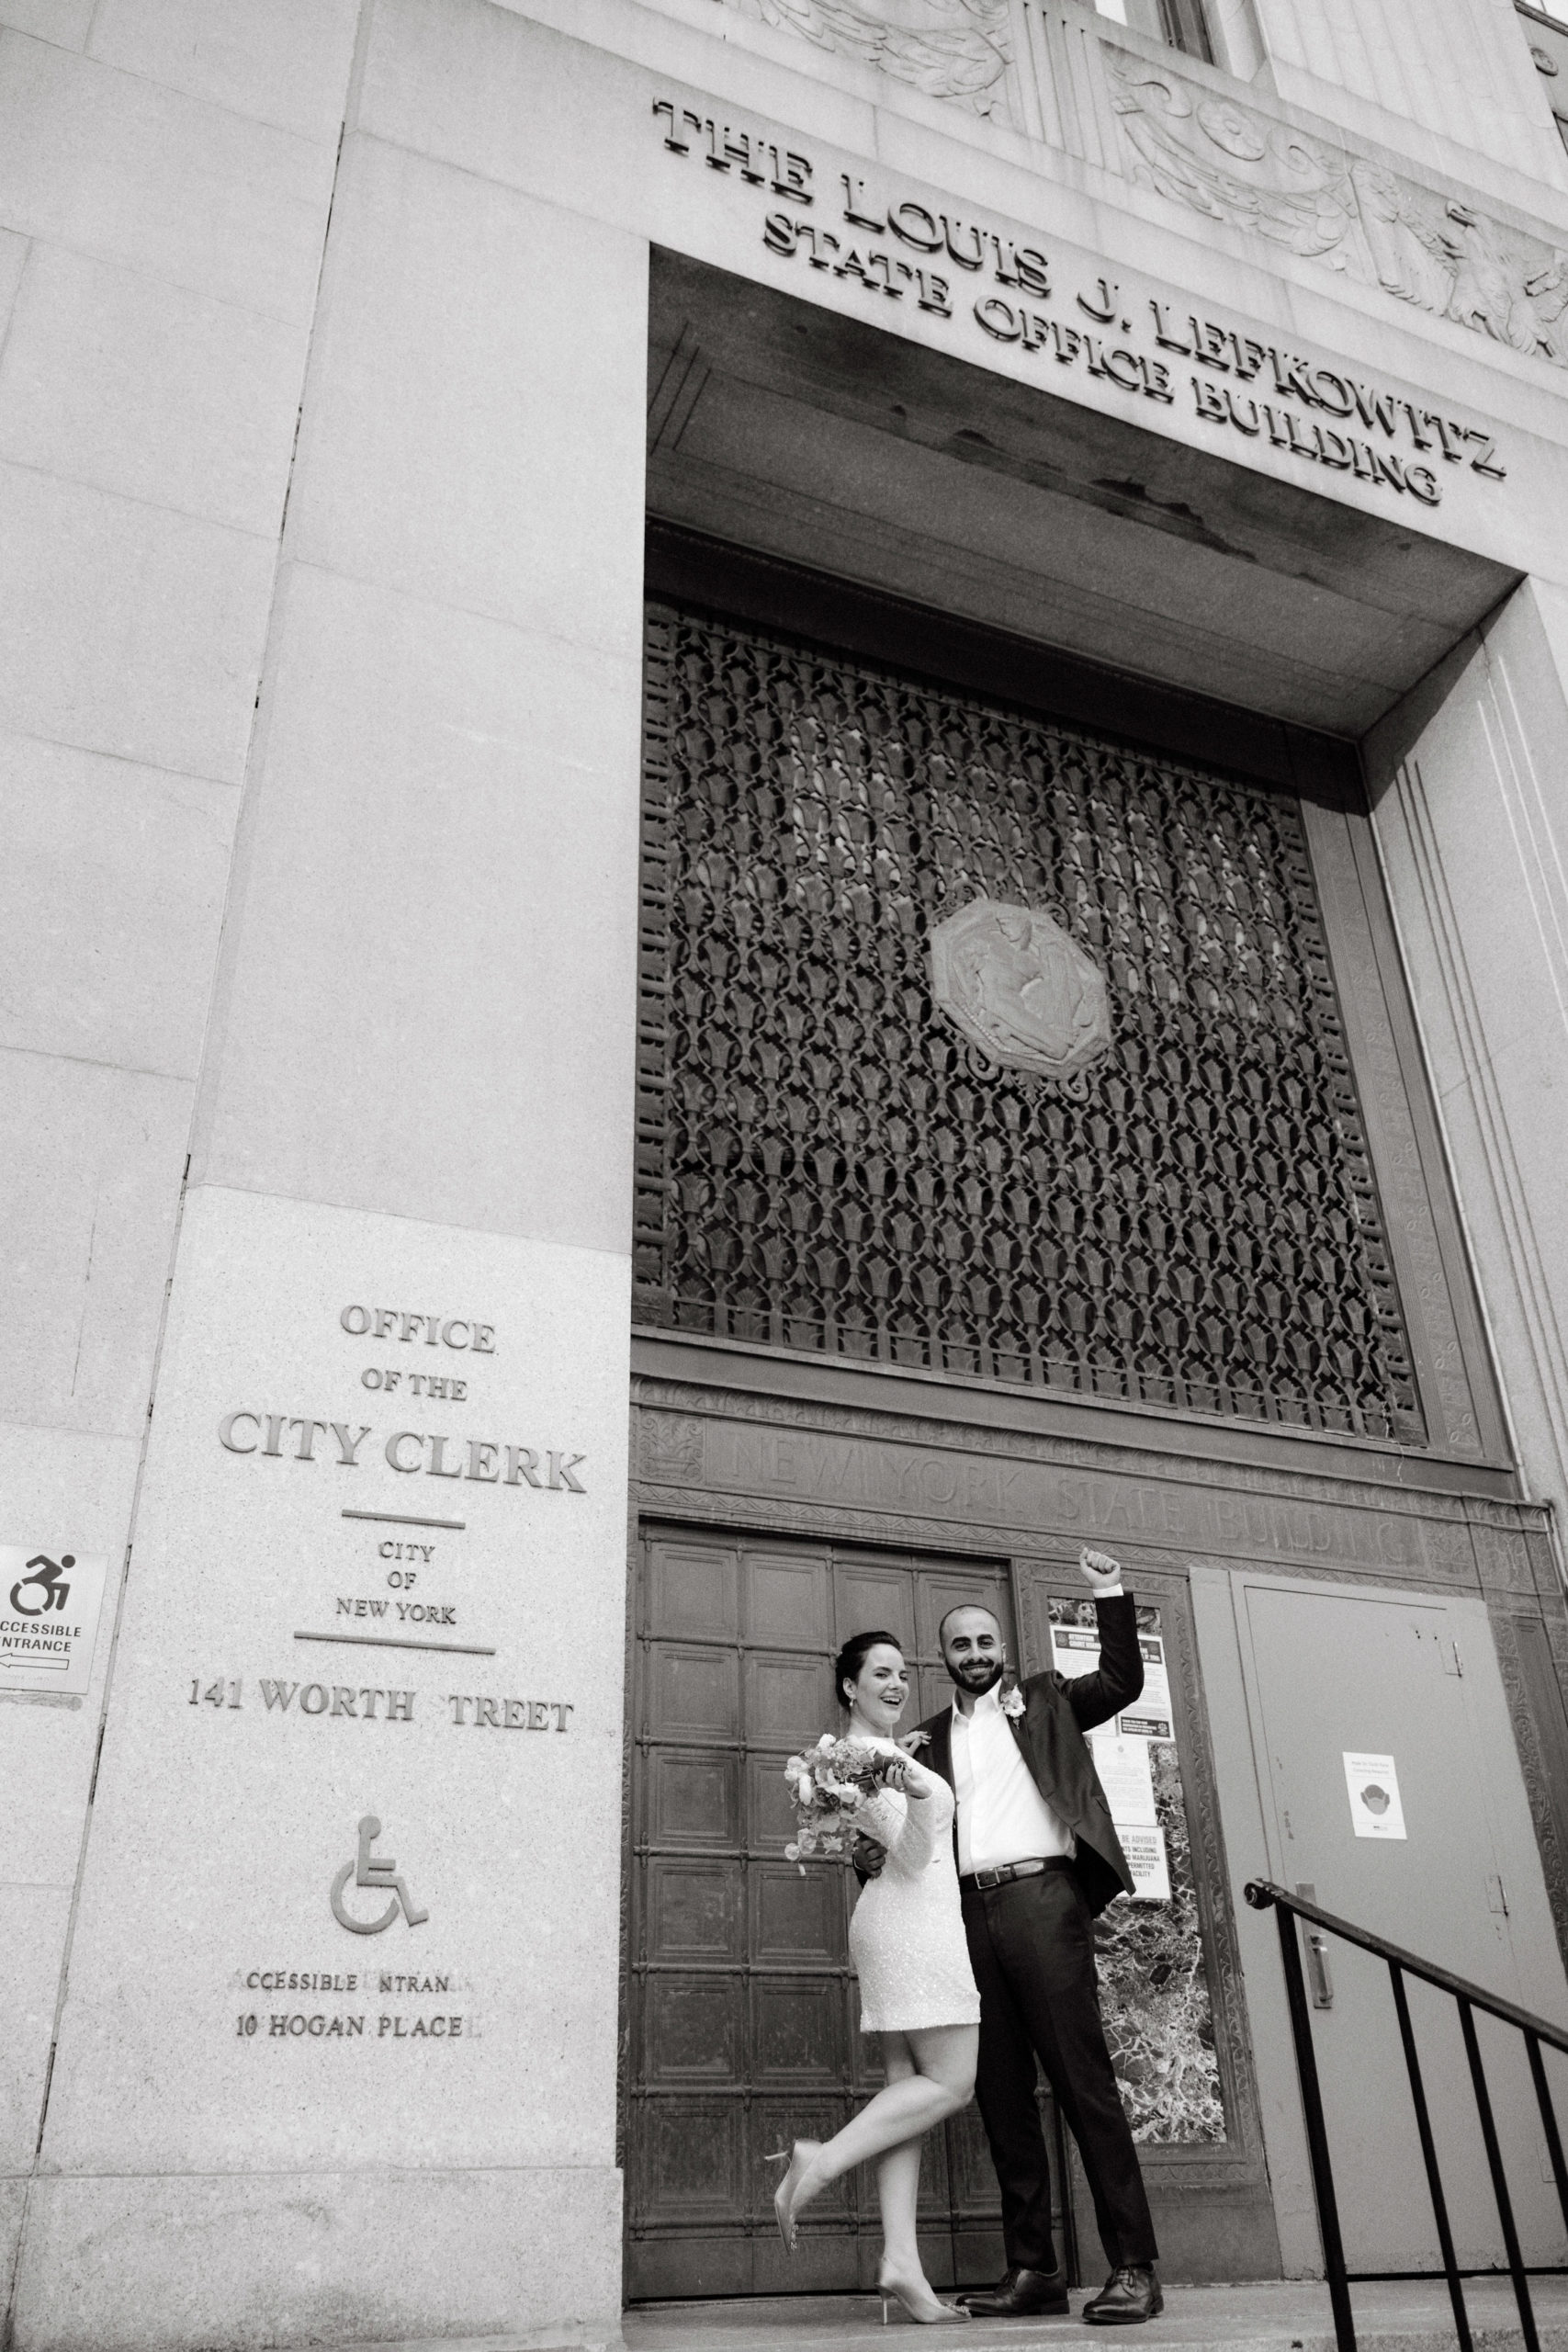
(1279, 2315)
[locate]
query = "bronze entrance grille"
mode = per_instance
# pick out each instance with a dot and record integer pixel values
(826, 1165)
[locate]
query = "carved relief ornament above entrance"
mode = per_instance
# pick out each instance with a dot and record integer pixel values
(1252, 171)
(1208, 152)
(946, 49)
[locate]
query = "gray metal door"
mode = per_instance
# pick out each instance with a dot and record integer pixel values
(1334, 1676)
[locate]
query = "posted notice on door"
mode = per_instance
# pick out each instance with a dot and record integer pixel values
(1127, 1778)
(1074, 1649)
(1149, 1863)
(1373, 1785)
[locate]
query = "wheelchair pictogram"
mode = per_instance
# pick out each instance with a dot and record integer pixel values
(369, 1870)
(46, 1575)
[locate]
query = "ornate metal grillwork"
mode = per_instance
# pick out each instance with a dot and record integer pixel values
(824, 1165)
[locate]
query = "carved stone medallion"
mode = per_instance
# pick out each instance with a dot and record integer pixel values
(1011, 980)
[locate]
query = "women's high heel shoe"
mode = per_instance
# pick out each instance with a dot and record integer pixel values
(937, 2315)
(796, 2159)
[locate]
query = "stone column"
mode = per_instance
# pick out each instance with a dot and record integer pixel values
(338, 2054)
(164, 203)
(1472, 823)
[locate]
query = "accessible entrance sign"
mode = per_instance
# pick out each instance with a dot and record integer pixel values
(50, 1602)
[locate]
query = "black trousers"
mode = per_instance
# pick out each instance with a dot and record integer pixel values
(1032, 1948)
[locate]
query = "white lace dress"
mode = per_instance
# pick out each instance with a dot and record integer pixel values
(906, 1936)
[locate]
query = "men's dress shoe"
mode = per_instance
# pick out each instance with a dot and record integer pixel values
(1129, 2294)
(1021, 2294)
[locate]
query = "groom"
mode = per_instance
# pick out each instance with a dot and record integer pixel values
(1037, 1857)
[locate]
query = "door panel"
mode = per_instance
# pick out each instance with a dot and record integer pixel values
(685, 2161)
(693, 1910)
(939, 1590)
(1332, 1674)
(794, 1917)
(691, 1799)
(877, 1599)
(694, 1694)
(785, 1599)
(689, 1593)
(745, 2022)
(787, 1699)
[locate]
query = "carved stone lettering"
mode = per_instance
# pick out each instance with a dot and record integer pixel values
(924, 1483)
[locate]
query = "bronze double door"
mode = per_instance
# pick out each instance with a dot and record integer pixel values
(743, 2014)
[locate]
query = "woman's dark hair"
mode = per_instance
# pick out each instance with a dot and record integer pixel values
(853, 1656)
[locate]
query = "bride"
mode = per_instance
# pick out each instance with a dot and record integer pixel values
(917, 1988)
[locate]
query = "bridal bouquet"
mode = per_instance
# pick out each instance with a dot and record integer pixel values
(825, 1785)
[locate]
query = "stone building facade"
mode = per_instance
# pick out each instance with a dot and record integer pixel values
(784, 820)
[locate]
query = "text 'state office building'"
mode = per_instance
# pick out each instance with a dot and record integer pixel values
(786, 800)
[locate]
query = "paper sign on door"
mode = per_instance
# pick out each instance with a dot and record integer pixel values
(1147, 1860)
(1126, 1778)
(1373, 1787)
(1150, 1718)
(1074, 1649)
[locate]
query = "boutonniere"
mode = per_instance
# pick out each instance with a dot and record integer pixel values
(1012, 1702)
(913, 1741)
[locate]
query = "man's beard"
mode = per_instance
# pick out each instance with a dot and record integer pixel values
(979, 1679)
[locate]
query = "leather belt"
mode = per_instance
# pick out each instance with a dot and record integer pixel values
(999, 1877)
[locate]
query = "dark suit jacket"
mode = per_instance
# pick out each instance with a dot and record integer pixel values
(1059, 1710)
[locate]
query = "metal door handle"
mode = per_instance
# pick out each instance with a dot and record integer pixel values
(1320, 1984)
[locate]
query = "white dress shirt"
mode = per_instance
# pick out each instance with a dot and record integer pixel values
(1002, 1817)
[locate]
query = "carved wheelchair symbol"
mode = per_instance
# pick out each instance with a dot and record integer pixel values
(46, 1574)
(369, 1870)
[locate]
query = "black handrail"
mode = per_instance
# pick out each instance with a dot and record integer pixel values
(1263, 1895)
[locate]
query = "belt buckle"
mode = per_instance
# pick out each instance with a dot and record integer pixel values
(985, 1880)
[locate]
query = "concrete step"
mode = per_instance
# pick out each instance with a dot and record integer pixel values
(1279, 2315)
